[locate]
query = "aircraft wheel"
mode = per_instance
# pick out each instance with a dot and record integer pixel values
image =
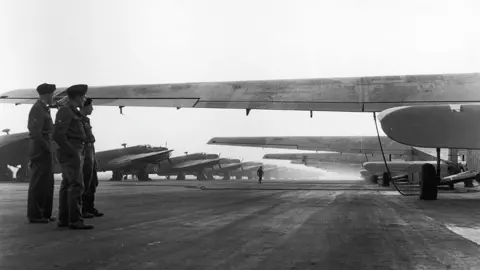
(142, 176)
(180, 176)
(386, 179)
(428, 183)
(201, 176)
(374, 179)
(117, 176)
(477, 178)
(238, 177)
(6, 175)
(23, 174)
(468, 183)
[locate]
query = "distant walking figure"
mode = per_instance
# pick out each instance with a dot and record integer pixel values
(260, 174)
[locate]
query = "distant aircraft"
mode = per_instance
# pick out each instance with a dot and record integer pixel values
(193, 164)
(411, 104)
(248, 169)
(129, 160)
(345, 163)
(14, 149)
(225, 167)
(367, 145)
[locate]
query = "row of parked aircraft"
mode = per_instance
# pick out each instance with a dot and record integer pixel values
(142, 160)
(430, 111)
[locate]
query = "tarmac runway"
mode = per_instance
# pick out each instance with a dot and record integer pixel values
(243, 225)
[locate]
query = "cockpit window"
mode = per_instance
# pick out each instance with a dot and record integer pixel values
(147, 146)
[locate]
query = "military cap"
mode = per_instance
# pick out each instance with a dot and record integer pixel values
(88, 102)
(46, 88)
(77, 90)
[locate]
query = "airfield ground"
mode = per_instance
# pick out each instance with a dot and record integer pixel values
(275, 225)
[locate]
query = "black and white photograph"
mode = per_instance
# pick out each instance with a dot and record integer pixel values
(269, 135)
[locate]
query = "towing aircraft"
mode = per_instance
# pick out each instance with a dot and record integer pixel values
(128, 160)
(352, 94)
(14, 149)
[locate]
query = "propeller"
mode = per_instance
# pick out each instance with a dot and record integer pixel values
(241, 164)
(7, 130)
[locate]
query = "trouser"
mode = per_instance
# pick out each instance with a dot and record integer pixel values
(71, 188)
(260, 178)
(90, 179)
(41, 187)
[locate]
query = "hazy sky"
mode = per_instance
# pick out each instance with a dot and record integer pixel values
(139, 42)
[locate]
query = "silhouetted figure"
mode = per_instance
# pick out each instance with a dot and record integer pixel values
(260, 174)
(41, 186)
(70, 136)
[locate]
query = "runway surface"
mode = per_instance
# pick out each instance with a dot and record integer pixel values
(244, 225)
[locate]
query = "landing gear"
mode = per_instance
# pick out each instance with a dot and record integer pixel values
(210, 176)
(201, 176)
(116, 176)
(227, 176)
(374, 179)
(428, 183)
(23, 174)
(143, 176)
(238, 177)
(468, 183)
(181, 176)
(6, 175)
(386, 179)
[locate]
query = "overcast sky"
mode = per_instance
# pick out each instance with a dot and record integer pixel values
(139, 42)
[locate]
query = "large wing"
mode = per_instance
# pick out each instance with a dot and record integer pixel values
(189, 164)
(343, 144)
(145, 158)
(354, 94)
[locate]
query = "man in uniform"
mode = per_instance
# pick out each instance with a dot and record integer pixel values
(41, 186)
(260, 174)
(89, 166)
(69, 134)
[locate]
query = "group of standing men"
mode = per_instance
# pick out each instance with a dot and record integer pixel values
(72, 132)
